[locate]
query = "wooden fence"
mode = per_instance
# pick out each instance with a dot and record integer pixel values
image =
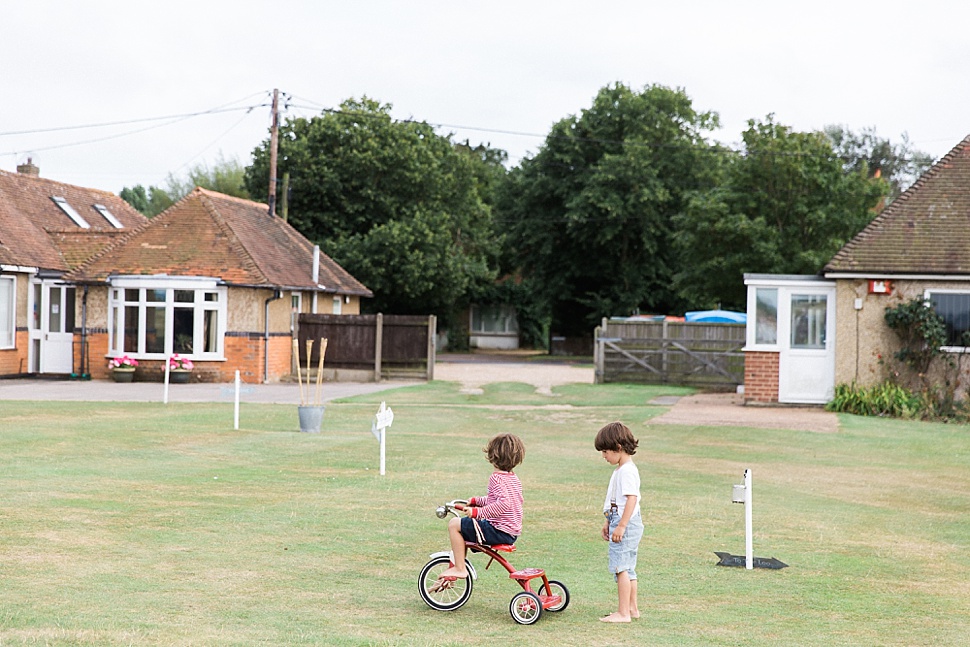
(392, 346)
(670, 352)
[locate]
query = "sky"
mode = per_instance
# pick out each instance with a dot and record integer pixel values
(110, 94)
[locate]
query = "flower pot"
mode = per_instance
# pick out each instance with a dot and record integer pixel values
(123, 374)
(310, 418)
(179, 376)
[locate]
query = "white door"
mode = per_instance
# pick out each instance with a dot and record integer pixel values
(52, 328)
(806, 371)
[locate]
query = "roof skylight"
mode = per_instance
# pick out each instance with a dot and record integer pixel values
(103, 210)
(71, 213)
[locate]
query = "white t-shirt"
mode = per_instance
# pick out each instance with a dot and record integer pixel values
(625, 481)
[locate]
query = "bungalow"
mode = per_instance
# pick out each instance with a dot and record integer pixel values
(806, 334)
(214, 278)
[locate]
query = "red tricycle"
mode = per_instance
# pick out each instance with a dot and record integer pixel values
(526, 606)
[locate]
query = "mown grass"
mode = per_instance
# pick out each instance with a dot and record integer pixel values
(146, 524)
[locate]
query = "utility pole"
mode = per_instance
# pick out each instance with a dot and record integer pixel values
(273, 143)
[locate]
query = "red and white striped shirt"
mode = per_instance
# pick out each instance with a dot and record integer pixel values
(502, 506)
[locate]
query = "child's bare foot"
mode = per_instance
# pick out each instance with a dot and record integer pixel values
(455, 572)
(634, 614)
(615, 617)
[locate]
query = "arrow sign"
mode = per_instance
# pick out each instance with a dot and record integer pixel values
(727, 559)
(383, 419)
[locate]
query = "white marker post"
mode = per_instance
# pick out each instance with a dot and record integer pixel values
(235, 415)
(382, 421)
(742, 494)
(165, 393)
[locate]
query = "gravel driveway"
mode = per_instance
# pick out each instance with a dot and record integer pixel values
(703, 409)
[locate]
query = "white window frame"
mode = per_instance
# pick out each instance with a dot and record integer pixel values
(338, 305)
(927, 296)
(8, 313)
(201, 287)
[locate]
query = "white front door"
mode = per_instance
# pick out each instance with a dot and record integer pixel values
(806, 370)
(52, 328)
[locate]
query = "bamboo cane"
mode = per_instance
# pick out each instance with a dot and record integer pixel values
(299, 372)
(309, 350)
(323, 351)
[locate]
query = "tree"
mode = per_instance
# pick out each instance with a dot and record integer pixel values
(393, 202)
(588, 218)
(868, 153)
(786, 205)
(226, 176)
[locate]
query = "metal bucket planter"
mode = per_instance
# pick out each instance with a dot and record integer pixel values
(310, 418)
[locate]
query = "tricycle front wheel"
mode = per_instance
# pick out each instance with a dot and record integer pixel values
(447, 599)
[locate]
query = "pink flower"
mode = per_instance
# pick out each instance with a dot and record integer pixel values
(176, 362)
(122, 362)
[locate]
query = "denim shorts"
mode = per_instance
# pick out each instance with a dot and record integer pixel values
(491, 534)
(623, 555)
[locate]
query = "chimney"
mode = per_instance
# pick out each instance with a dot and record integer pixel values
(28, 168)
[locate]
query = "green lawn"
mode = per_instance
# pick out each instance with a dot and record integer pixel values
(146, 524)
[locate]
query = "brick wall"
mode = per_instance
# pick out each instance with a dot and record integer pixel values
(243, 351)
(13, 361)
(760, 377)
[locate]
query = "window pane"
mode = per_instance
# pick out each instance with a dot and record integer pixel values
(7, 324)
(154, 329)
(183, 329)
(157, 296)
(131, 329)
(808, 321)
(184, 296)
(955, 310)
(766, 316)
(212, 296)
(131, 295)
(210, 321)
(55, 295)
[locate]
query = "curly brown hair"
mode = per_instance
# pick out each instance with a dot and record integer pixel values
(505, 451)
(616, 436)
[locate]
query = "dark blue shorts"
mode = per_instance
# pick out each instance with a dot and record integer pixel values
(491, 534)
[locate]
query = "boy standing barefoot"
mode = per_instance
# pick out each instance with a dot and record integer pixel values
(623, 527)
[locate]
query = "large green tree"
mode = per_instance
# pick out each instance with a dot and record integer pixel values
(588, 218)
(785, 205)
(866, 152)
(393, 202)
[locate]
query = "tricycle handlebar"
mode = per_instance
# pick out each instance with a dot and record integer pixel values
(449, 507)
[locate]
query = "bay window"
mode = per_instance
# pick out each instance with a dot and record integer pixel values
(155, 317)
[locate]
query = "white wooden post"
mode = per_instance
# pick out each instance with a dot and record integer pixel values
(748, 550)
(165, 392)
(382, 421)
(235, 415)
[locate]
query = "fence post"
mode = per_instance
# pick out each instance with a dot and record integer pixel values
(432, 334)
(597, 355)
(378, 343)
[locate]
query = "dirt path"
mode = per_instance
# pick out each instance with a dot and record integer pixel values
(707, 409)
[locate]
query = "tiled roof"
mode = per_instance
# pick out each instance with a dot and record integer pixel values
(211, 234)
(35, 232)
(926, 230)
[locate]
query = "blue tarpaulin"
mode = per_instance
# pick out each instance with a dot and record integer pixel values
(716, 316)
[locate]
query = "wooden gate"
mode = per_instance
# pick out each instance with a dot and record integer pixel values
(392, 346)
(670, 352)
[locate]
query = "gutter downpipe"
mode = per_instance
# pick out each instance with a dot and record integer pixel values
(277, 294)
